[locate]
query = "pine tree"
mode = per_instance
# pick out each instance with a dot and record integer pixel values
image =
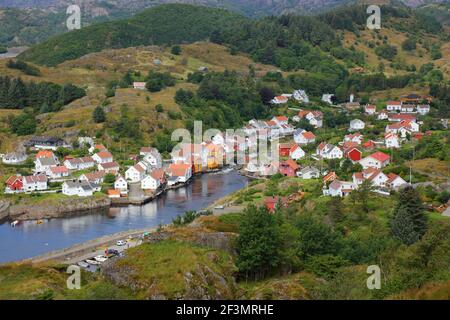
(99, 115)
(409, 222)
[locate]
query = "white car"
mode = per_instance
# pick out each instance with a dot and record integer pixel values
(93, 262)
(83, 264)
(100, 258)
(121, 242)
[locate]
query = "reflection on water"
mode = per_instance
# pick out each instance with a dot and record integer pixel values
(31, 239)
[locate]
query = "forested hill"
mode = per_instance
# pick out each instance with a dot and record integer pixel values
(288, 41)
(166, 24)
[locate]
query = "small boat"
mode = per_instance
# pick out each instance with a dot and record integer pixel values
(15, 223)
(83, 264)
(219, 207)
(39, 222)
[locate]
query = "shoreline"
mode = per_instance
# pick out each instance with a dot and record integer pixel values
(73, 206)
(65, 255)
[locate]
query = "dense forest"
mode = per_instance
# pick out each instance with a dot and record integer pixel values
(289, 41)
(42, 97)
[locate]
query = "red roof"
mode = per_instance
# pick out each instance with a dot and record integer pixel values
(291, 163)
(380, 156)
(282, 118)
(11, 180)
(178, 169)
(393, 103)
(309, 135)
(59, 169)
(104, 154)
(44, 154)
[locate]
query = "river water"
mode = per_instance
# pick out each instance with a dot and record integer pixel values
(30, 239)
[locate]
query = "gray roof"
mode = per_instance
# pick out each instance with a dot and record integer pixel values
(47, 161)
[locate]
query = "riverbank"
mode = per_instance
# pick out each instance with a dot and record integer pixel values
(52, 206)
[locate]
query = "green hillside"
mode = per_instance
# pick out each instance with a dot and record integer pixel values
(161, 25)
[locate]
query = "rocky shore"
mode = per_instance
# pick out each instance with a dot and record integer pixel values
(62, 208)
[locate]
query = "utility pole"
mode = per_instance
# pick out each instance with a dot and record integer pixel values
(410, 165)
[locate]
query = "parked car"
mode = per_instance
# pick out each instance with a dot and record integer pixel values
(121, 243)
(100, 258)
(93, 262)
(83, 264)
(112, 252)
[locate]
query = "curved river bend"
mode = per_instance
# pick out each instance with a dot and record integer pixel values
(31, 239)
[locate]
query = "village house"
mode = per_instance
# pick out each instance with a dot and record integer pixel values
(351, 106)
(370, 109)
(354, 137)
(285, 149)
(79, 188)
(50, 143)
(328, 151)
(304, 137)
(328, 98)
(151, 157)
(391, 140)
(113, 193)
(103, 157)
(314, 117)
(280, 120)
(288, 168)
(14, 184)
(58, 172)
(14, 158)
(178, 173)
(339, 188)
(356, 125)
(308, 172)
(135, 173)
(43, 165)
(395, 182)
(423, 109)
(352, 152)
(279, 100)
(109, 167)
(296, 152)
(121, 184)
(35, 183)
(97, 148)
(403, 128)
(375, 176)
(408, 108)
(376, 160)
(300, 96)
(139, 85)
(368, 145)
(383, 115)
(273, 203)
(46, 154)
(79, 163)
(393, 105)
(154, 180)
(398, 117)
(329, 177)
(96, 177)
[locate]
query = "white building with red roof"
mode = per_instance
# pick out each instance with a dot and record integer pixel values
(370, 109)
(35, 183)
(304, 137)
(296, 152)
(394, 105)
(329, 151)
(395, 181)
(383, 115)
(391, 140)
(58, 172)
(103, 157)
(376, 160)
(135, 173)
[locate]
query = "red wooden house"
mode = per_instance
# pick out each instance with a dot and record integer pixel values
(288, 168)
(285, 149)
(14, 183)
(353, 154)
(272, 203)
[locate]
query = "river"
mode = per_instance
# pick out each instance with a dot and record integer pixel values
(30, 239)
